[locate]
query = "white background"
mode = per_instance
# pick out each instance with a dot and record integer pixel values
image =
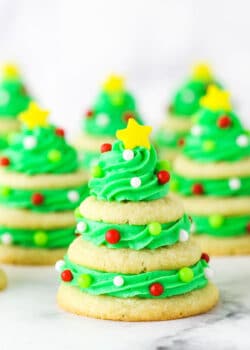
(66, 48)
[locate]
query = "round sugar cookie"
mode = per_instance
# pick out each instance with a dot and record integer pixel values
(131, 261)
(162, 210)
(196, 302)
(168, 153)
(3, 280)
(90, 143)
(177, 124)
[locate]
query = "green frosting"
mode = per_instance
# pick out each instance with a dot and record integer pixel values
(109, 113)
(37, 238)
(164, 138)
(114, 181)
(133, 236)
(217, 187)
(208, 142)
(219, 226)
(13, 97)
(102, 283)
(54, 199)
(88, 159)
(50, 155)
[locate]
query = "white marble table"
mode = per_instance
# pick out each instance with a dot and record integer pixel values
(30, 318)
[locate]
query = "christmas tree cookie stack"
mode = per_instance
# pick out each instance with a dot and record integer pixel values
(134, 259)
(13, 100)
(170, 137)
(40, 185)
(212, 177)
(110, 112)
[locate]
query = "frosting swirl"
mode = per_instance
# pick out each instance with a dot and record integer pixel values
(164, 138)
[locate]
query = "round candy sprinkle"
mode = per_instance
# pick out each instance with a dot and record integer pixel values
(40, 238)
(89, 113)
(54, 156)
(163, 177)
(37, 198)
(84, 280)
(216, 220)
(196, 130)
(60, 132)
(242, 141)
(118, 281)
(197, 189)
(67, 276)
(209, 273)
(183, 235)
(73, 196)
(128, 115)
(154, 228)
(4, 161)
(102, 119)
(29, 142)
(224, 121)
(181, 141)
(97, 171)
(128, 154)
(106, 147)
(205, 256)
(186, 274)
(248, 227)
(81, 227)
(59, 265)
(156, 289)
(135, 182)
(6, 238)
(208, 146)
(112, 236)
(234, 184)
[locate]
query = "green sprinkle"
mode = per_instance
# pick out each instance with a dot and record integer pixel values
(186, 274)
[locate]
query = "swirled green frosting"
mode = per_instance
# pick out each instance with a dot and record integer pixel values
(54, 199)
(49, 239)
(101, 283)
(114, 184)
(164, 138)
(219, 226)
(209, 142)
(13, 97)
(134, 236)
(50, 155)
(110, 112)
(211, 187)
(88, 159)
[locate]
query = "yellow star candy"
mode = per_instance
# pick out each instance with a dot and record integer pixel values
(134, 135)
(10, 71)
(216, 99)
(34, 116)
(114, 83)
(202, 71)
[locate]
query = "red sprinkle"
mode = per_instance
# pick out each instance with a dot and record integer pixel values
(181, 142)
(248, 227)
(67, 276)
(37, 198)
(60, 132)
(156, 289)
(205, 256)
(163, 177)
(197, 189)
(4, 161)
(112, 236)
(224, 122)
(128, 115)
(89, 113)
(106, 147)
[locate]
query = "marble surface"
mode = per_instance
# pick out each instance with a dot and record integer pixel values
(30, 317)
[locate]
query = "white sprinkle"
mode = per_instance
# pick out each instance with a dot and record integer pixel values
(196, 130)
(102, 119)
(209, 273)
(135, 182)
(128, 154)
(29, 142)
(4, 97)
(118, 281)
(188, 96)
(73, 196)
(242, 141)
(234, 183)
(183, 235)
(59, 265)
(81, 227)
(6, 238)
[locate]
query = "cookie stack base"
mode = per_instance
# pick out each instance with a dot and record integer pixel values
(133, 309)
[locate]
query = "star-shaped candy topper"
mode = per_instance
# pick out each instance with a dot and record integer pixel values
(10, 71)
(202, 71)
(114, 83)
(134, 135)
(216, 99)
(34, 116)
